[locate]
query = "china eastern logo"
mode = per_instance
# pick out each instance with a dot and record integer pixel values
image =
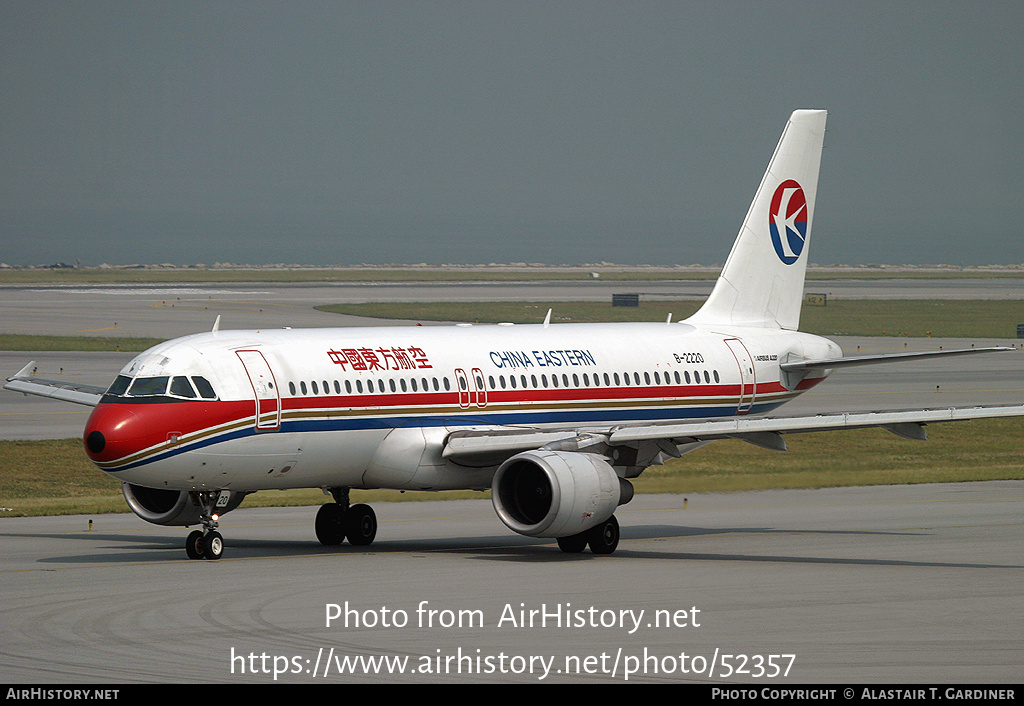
(787, 220)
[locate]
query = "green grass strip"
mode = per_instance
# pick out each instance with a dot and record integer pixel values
(55, 478)
(953, 318)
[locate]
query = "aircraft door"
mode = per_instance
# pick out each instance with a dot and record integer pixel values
(264, 386)
(748, 378)
(480, 387)
(462, 382)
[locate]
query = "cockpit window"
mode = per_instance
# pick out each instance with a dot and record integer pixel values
(119, 386)
(145, 387)
(204, 387)
(181, 387)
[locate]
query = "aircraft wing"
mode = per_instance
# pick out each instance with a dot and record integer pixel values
(761, 431)
(66, 391)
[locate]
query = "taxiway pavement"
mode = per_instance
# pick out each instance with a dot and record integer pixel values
(895, 584)
(892, 584)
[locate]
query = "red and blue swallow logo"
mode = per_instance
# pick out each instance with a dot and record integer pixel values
(787, 221)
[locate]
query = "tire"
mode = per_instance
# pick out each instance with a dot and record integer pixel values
(330, 524)
(194, 545)
(214, 546)
(573, 544)
(360, 525)
(604, 538)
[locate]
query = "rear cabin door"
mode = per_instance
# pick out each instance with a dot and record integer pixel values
(748, 380)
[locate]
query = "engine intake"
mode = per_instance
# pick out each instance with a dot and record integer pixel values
(169, 507)
(556, 493)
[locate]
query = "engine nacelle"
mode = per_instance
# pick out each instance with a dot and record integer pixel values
(169, 507)
(556, 493)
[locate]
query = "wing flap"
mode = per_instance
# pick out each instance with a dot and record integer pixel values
(761, 431)
(756, 427)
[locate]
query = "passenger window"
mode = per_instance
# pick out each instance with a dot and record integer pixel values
(348, 386)
(302, 386)
(316, 390)
(716, 376)
(647, 379)
(554, 380)
(291, 388)
(359, 386)
(402, 383)
(576, 380)
(391, 384)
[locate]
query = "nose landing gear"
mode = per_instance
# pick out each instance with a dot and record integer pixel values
(207, 543)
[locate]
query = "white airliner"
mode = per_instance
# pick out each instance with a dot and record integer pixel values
(553, 418)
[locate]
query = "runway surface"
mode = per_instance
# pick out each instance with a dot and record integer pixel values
(889, 584)
(905, 584)
(168, 310)
(178, 310)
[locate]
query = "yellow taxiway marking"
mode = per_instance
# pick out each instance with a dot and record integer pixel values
(94, 330)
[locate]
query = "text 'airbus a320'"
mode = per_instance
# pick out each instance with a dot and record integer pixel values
(554, 419)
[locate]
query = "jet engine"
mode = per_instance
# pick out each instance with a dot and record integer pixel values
(556, 493)
(169, 507)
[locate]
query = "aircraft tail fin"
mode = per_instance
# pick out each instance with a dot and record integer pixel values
(763, 280)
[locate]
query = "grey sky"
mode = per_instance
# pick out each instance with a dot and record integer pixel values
(474, 132)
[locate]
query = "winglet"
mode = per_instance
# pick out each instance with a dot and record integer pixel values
(25, 372)
(216, 324)
(547, 319)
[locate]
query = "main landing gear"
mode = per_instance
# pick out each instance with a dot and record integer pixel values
(338, 521)
(603, 539)
(208, 542)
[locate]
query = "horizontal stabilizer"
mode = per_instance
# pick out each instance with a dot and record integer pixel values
(851, 361)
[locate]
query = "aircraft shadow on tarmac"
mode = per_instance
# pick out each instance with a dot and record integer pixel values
(162, 548)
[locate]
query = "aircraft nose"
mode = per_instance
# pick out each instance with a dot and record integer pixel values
(113, 432)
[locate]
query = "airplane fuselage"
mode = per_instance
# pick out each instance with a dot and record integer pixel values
(371, 407)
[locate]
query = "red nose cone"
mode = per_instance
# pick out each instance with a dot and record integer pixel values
(113, 432)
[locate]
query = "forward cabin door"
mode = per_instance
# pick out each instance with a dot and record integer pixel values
(748, 380)
(264, 386)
